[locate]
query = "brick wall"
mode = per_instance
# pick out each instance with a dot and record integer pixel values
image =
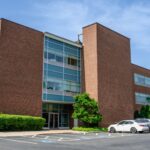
(21, 53)
(108, 72)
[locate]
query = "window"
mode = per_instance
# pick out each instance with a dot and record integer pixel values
(68, 99)
(59, 58)
(51, 57)
(64, 119)
(141, 98)
(53, 68)
(72, 61)
(50, 85)
(141, 80)
(147, 81)
(54, 97)
(70, 86)
(53, 45)
(54, 74)
(71, 50)
(129, 122)
(70, 71)
(70, 77)
(122, 122)
(57, 72)
(54, 86)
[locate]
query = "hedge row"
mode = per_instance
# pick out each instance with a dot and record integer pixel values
(90, 129)
(20, 123)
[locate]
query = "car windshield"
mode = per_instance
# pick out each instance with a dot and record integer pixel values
(141, 121)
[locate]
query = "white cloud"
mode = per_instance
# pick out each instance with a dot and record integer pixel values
(69, 16)
(66, 18)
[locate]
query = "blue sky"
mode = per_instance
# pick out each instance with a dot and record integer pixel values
(67, 17)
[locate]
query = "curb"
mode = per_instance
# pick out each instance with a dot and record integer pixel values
(26, 133)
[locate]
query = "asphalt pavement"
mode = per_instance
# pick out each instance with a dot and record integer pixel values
(90, 141)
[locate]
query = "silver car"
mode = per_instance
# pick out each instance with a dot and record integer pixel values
(144, 120)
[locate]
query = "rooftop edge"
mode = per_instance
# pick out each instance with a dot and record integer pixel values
(56, 37)
(97, 23)
(20, 25)
(47, 33)
(140, 67)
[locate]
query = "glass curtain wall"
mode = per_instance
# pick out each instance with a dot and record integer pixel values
(61, 71)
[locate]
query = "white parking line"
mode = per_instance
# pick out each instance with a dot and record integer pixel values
(67, 140)
(46, 137)
(34, 136)
(18, 141)
(55, 139)
(60, 139)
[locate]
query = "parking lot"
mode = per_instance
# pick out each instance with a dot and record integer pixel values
(63, 138)
(77, 141)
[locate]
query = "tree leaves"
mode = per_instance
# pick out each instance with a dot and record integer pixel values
(86, 109)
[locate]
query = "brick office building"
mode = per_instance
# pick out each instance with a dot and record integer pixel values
(41, 72)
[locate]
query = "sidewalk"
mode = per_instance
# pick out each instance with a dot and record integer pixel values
(30, 133)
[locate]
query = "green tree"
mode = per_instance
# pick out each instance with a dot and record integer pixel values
(86, 110)
(145, 110)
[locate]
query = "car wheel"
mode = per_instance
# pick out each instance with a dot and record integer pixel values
(112, 130)
(133, 130)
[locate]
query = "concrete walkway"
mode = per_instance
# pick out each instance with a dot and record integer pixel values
(29, 133)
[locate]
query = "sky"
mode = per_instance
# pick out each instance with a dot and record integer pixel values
(67, 17)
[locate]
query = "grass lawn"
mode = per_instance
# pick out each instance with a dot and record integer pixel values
(90, 129)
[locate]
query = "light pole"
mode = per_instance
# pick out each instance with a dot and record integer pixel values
(79, 41)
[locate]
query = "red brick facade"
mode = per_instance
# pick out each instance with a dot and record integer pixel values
(107, 72)
(108, 75)
(21, 53)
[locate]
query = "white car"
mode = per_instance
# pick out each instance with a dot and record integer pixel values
(144, 120)
(132, 126)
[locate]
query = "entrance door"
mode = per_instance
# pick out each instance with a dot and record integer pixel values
(46, 116)
(53, 120)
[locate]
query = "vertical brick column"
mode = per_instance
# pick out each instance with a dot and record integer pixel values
(108, 75)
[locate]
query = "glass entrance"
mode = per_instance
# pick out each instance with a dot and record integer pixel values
(46, 116)
(57, 115)
(53, 120)
(64, 120)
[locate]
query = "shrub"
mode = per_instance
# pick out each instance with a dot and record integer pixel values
(86, 110)
(145, 111)
(87, 129)
(20, 122)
